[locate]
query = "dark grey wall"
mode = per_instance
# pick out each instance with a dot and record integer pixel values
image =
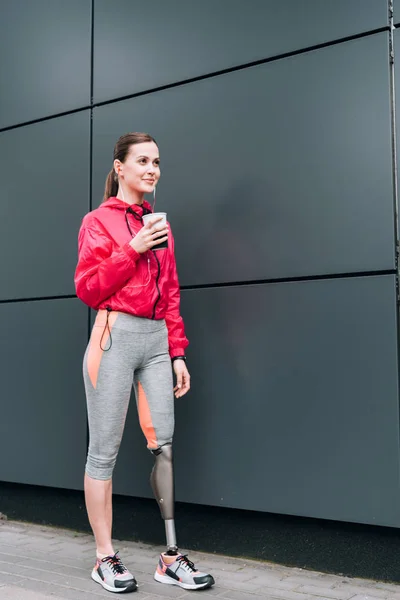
(395, 6)
(45, 58)
(294, 407)
(279, 167)
(44, 169)
(43, 425)
(188, 39)
(274, 121)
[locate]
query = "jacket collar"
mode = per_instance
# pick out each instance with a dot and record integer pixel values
(139, 209)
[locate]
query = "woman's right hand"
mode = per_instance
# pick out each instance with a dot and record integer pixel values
(150, 235)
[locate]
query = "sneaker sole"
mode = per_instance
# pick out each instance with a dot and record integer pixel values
(130, 588)
(185, 586)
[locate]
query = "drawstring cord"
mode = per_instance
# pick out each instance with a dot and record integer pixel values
(129, 210)
(106, 326)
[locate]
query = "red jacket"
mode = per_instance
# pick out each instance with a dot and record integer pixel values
(111, 274)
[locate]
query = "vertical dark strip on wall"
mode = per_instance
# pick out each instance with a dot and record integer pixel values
(393, 128)
(394, 163)
(90, 150)
(91, 126)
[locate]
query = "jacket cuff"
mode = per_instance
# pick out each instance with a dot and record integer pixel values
(131, 252)
(177, 352)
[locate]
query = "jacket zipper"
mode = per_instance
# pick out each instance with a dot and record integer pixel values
(158, 289)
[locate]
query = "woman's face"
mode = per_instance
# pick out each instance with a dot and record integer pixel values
(141, 170)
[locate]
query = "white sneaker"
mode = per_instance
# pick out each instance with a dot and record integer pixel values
(179, 570)
(111, 573)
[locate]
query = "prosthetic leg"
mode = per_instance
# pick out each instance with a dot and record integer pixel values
(173, 568)
(162, 482)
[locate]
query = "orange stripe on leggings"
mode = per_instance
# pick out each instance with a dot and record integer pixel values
(99, 339)
(145, 419)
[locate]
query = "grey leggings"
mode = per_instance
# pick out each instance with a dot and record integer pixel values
(127, 351)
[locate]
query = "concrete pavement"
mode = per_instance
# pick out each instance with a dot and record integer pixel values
(44, 563)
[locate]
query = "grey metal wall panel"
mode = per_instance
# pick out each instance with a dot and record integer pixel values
(45, 69)
(44, 169)
(276, 171)
(396, 35)
(43, 412)
(294, 403)
(396, 11)
(140, 46)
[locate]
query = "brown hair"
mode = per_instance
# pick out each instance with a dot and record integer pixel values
(121, 150)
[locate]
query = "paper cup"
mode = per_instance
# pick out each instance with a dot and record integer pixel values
(149, 218)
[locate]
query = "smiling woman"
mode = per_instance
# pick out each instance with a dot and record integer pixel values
(127, 273)
(137, 162)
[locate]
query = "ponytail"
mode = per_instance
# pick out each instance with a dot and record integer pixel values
(111, 187)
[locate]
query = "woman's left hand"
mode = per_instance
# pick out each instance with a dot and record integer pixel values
(182, 378)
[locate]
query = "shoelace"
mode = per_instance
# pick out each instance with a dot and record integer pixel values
(115, 563)
(186, 563)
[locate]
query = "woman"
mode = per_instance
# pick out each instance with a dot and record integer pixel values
(137, 333)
